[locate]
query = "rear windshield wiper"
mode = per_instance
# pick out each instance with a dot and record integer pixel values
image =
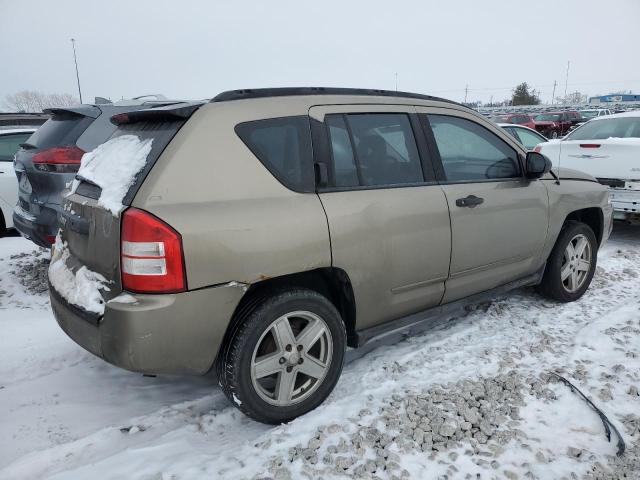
(86, 180)
(28, 146)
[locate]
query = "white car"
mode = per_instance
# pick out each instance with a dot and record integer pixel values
(607, 147)
(10, 140)
(528, 137)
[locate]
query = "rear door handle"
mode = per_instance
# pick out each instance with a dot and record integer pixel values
(471, 201)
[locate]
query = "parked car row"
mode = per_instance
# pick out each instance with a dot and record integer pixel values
(263, 232)
(552, 124)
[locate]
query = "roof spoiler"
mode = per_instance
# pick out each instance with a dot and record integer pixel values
(173, 112)
(80, 110)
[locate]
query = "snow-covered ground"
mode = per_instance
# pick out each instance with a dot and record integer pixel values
(471, 399)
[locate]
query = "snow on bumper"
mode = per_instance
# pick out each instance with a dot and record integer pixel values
(169, 334)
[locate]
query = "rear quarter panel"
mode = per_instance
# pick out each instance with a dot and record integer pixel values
(237, 221)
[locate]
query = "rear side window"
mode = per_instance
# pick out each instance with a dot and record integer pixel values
(470, 152)
(528, 139)
(373, 149)
(61, 130)
(283, 145)
(9, 145)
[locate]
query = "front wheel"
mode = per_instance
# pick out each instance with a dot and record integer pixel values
(285, 357)
(572, 263)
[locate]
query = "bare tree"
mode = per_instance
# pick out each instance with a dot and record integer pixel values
(572, 98)
(32, 101)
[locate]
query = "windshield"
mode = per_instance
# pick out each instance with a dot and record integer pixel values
(626, 127)
(548, 117)
(589, 114)
(501, 119)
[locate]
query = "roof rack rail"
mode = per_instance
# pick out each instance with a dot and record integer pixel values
(297, 91)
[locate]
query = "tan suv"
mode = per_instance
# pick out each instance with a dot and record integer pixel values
(265, 232)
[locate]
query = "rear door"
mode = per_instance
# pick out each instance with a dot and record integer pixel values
(388, 218)
(499, 219)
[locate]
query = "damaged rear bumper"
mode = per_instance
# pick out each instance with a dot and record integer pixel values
(158, 334)
(626, 204)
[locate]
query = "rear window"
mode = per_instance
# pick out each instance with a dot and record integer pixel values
(9, 145)
(61, 130)
(628, 127)
(161, 132)
(283, 145)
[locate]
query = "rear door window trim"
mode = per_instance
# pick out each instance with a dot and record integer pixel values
(323, 153)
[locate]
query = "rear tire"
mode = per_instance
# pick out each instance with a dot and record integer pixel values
(572, 263)
(285, 356)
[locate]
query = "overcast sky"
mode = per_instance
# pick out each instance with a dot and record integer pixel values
(195, 49)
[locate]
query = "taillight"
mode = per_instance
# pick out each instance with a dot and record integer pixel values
(58, 159)
(152, 260)
(589, 145)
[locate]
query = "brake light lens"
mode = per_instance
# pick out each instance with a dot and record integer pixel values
(58, 159)
(152, 259)
(589, 145)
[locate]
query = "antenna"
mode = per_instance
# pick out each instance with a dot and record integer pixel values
(73, 44)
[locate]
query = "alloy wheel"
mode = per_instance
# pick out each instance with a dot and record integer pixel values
(291, 358)
(576, 263)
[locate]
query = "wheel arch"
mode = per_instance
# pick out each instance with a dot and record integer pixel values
(592, 216)
(331, 282)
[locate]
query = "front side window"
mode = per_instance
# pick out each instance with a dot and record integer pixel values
(9, 145)
(283, 145)
(470, 152)
(373, 149)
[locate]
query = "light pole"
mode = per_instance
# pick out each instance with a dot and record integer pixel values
(73, 44)
(566, 82)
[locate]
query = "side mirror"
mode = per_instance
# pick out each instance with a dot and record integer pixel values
(537, 165)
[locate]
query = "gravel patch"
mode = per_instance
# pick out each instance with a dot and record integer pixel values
(31, 270)
(472, 418)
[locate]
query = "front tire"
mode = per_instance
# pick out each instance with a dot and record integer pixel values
(572, 263)
(285, 357)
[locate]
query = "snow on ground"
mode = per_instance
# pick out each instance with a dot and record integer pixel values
(471, 399)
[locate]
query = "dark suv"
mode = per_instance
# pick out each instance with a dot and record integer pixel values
(48, 161)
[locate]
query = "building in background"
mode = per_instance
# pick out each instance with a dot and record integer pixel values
(615, 98)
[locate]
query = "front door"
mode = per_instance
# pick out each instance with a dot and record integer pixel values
(499, 219)
(388, 218)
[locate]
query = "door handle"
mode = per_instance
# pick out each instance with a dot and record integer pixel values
(471, 201)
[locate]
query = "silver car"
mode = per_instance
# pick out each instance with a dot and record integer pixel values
(264, 232)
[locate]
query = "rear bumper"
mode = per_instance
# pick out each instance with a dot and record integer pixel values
(36, 227)
(164, 334)
(626, 203)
